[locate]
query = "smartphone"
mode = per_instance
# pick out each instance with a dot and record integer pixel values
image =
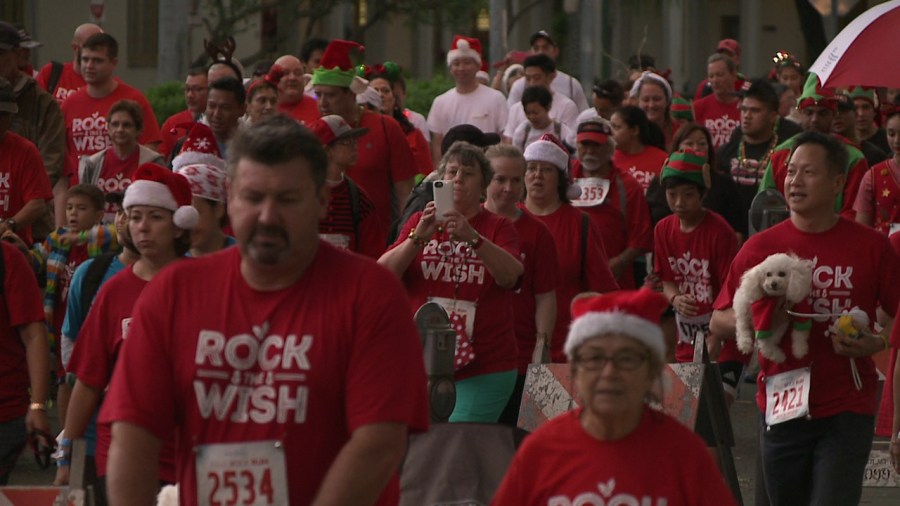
(443, 199)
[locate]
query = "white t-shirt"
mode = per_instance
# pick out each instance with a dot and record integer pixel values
(419, 122)
(562, 83)
(562, 109)
(563, 132)
(484, 108)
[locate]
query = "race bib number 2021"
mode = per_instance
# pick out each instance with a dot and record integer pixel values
(232, 474)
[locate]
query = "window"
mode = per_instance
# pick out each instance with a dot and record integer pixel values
(143, 32)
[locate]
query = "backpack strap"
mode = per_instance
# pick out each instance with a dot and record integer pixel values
(56, 69)
(354, 208)
(620, 185)
(527, 133)
(584, 241)
(93, 278)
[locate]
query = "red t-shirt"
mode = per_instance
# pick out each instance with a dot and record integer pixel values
(168, 137)
(432, 274)
(421, 152)
(86, 131)
(855, 267)
(20, 304)
(336, 354)
(384, 159)
(642, 166)
(561, 464)
(538, 255)
(883, 426)
(68, 83)
(116, 173)
(98, 348)
(696, 261)
(305, 110)
(718, 117)
(337, 226)
(22, 178)
(565, 225)
(633, 230)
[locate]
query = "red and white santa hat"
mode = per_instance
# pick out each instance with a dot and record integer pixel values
(548, 149)
(199, 146)
(207, 181)
(635, 313)
(464, 47)
(156, 186)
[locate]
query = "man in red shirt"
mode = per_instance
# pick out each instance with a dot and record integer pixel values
(69, 78)
(292, 100)
(196, 89)
(86, 110)
(301, 363)
(718, 112)
(384, 168)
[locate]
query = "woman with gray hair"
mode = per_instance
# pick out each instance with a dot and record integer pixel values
(466, 260)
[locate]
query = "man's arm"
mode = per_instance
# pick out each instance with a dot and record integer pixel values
(30, 213)
(544, 321)
(132, 467)
(722, 324)
(37, 356)
(362, 468)
(436, 140)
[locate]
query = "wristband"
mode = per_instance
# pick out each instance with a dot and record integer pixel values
(418, 241)
(477, 242)
(38, 406)
(887, 345)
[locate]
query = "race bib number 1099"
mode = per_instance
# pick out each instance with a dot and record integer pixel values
(249, 474)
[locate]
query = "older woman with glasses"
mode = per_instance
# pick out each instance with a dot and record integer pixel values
(599, 452)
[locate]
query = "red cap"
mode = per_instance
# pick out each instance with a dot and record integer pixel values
(730, 46)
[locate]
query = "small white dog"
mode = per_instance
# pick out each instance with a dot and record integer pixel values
(767, 291)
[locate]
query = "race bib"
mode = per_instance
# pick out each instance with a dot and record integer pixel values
(241, 473)
(689, 326)
(787, 396)
(895, 227)
(337, 240)
(593, 191)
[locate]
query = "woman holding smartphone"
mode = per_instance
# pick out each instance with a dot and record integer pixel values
(466, 260)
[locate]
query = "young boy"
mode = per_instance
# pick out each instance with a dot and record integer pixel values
(61, 252)
(536, 102)
(693, 250)
(349, 223)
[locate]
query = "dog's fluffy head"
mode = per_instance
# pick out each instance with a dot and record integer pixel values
(781, 275)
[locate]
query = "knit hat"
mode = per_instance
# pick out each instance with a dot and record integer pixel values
(548, 149)
(207, 181)
(689, 165)
(681, 109)
(199, 146)
(729, 46)
(156, 186)
(863, 93)
(464, 47)
(332, 128)
(336, 69)
(815, 95)
(635, 313)
(595, 129)
(648, 76)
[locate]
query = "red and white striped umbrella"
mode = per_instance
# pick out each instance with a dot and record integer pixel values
(866, 52)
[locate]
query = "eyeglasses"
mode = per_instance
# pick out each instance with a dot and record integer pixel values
(623, 361)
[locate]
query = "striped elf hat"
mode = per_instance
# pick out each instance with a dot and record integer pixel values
(864, 93)
(681, 109)
(689, 165)
(815, 95)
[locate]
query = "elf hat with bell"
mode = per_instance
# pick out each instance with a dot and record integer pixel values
(336, 68)
(635, 313)
(156, 186)
(199, 146)
(464, 47)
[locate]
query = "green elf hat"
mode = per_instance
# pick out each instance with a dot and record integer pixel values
(681, 109)
(689, 165)
(336, 68)
(863, 93)
(815, 95)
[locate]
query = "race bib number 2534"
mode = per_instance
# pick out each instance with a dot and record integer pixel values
(250, 474)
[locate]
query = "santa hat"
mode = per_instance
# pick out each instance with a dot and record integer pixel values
(689, 165)
(815, 95)
(336, 69)
(156, 186)
(464, 47)
(199, 146)
(548, 149)
(207, 181)
(635, 313)
(863, 93)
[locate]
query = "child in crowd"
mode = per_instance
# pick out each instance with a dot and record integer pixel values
(61, 252)
(536, 101)
(693, 250)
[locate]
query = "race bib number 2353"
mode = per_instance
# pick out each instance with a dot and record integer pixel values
(233, 474)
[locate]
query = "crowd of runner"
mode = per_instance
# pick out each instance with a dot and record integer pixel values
(277, 367)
